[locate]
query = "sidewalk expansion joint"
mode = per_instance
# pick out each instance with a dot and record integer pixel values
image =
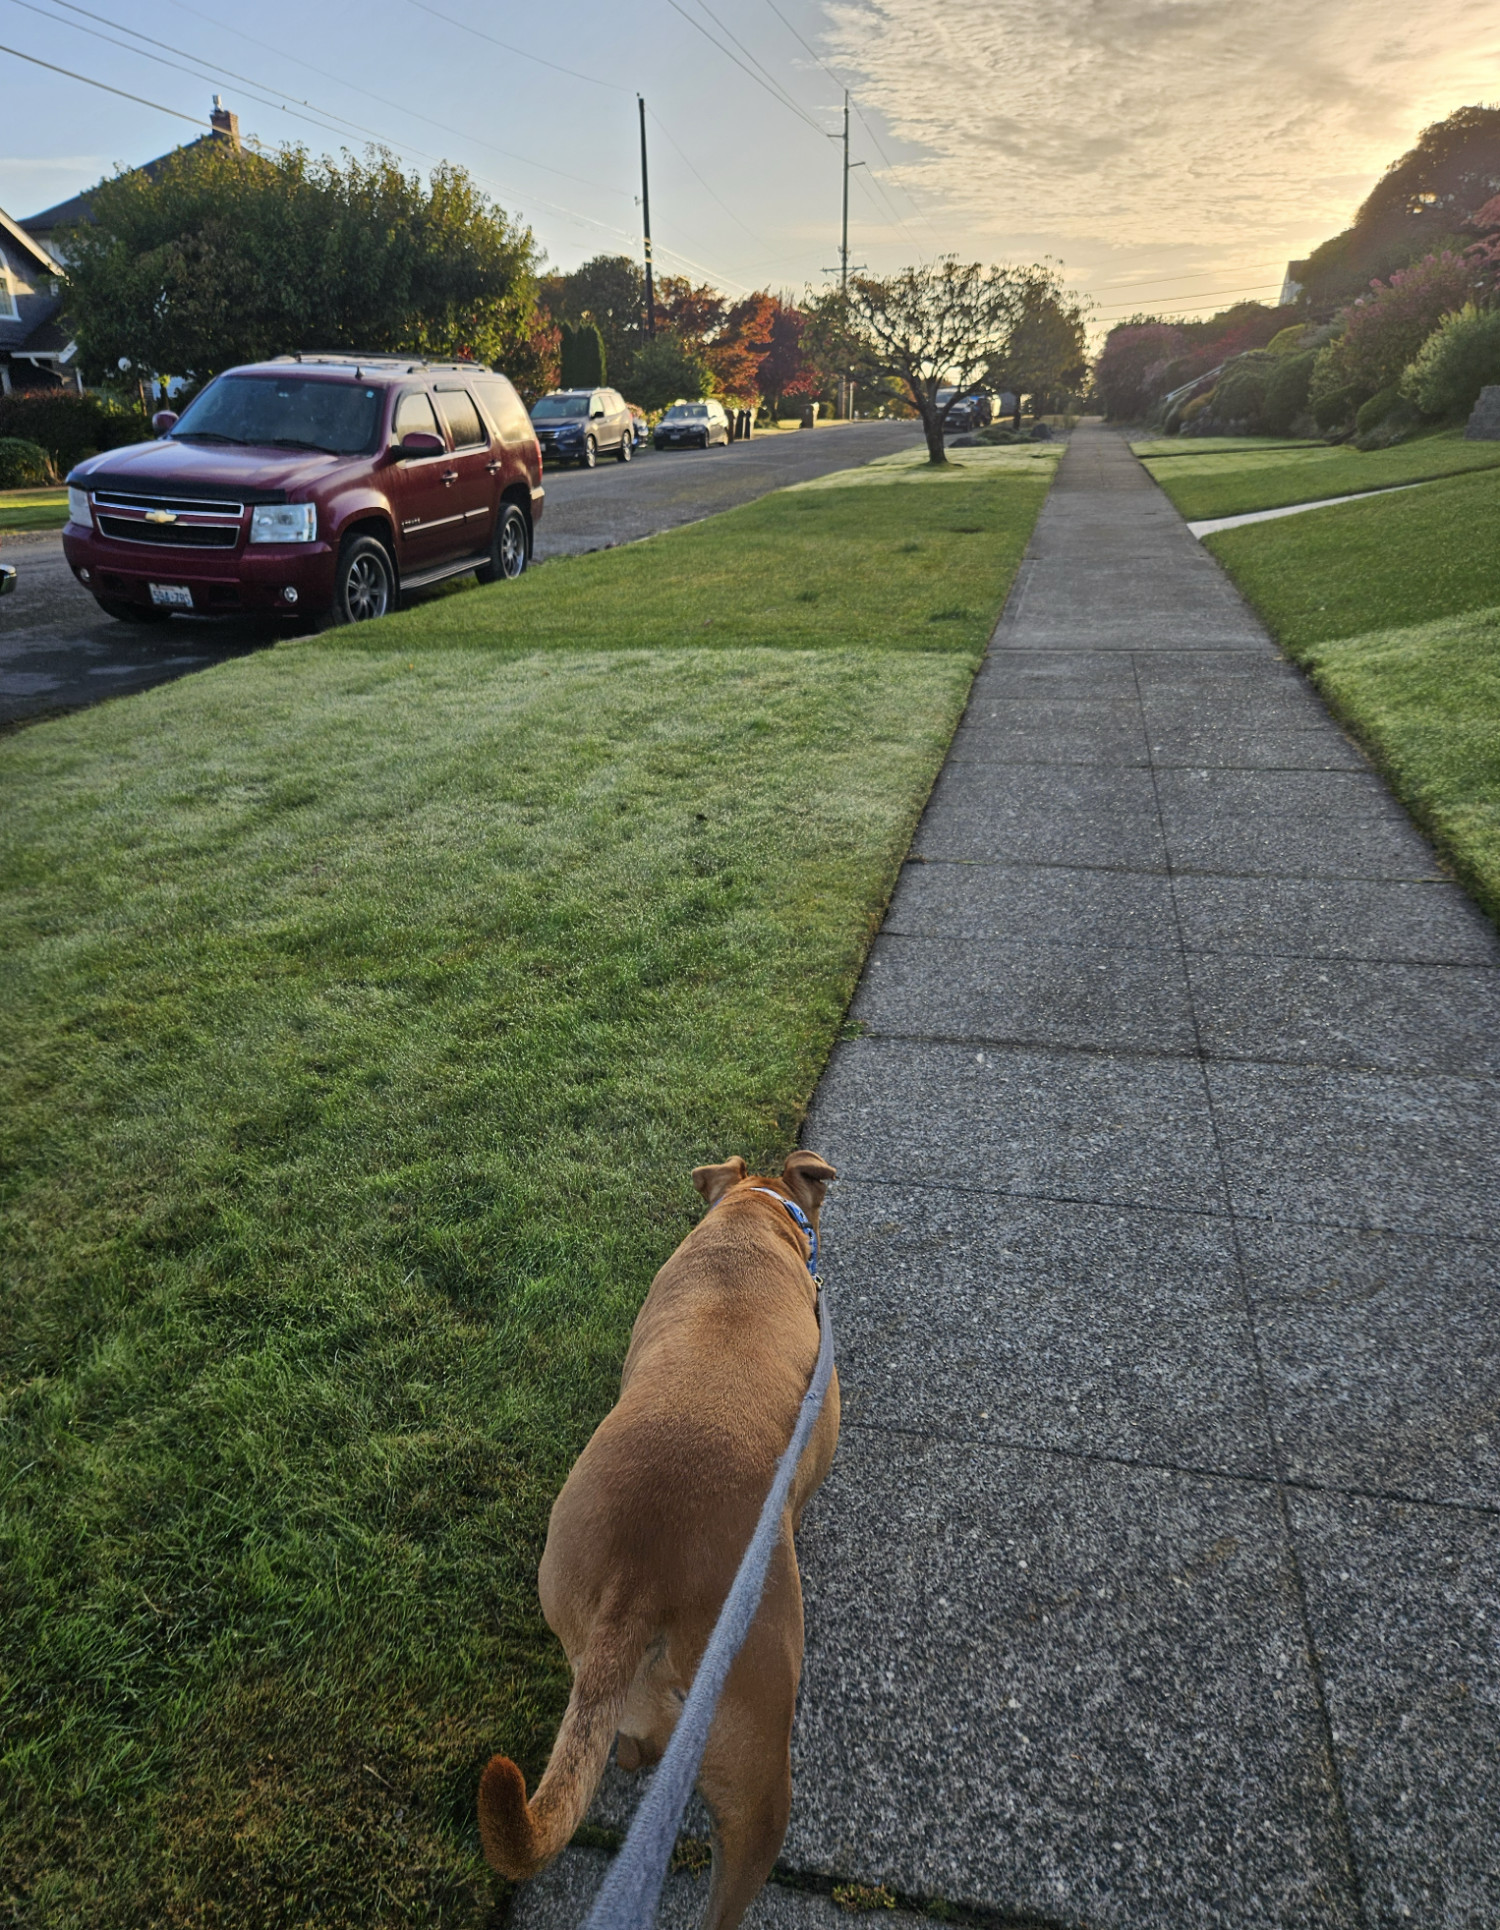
(1188, 1470)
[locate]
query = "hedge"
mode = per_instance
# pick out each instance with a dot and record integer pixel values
(70, 426)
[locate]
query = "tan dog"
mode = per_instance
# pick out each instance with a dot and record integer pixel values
(649, 1529)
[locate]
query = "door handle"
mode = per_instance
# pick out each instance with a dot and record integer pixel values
(450, 475)
(494, 468)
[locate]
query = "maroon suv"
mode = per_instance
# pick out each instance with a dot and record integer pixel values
(314, 485)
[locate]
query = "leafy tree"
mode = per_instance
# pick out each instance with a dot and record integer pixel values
(737, 351)
(610, 292)
(1047, 349)
(232, 256)
(667, 369)
(692, 311)
(786, 369)
(939, 326)
(1131, 370)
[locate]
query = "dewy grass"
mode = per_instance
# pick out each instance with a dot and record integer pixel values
(368, 1002)
(1388, 563)
(1222, 484)
(1426, 700)
(1393, 605)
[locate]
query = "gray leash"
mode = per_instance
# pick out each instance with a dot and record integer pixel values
(631, 1890)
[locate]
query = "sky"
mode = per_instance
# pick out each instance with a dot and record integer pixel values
(1171, 155)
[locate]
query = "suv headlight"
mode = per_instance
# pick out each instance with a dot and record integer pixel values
(284, 523)
(78, 507)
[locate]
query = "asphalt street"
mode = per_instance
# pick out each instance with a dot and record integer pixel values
(58, 651)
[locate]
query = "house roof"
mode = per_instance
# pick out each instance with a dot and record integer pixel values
(77, 211)
(15, 233)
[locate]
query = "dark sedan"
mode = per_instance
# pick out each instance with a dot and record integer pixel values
(693, 425)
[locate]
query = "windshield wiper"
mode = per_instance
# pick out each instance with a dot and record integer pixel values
(295, 442)
(204, 435)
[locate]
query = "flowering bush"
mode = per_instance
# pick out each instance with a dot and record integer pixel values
(1457, 360)
(1384, 329)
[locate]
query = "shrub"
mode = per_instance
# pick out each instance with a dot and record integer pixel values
(665, 368)
(1290, 341)
(1457, 360)
(23, 465)
(1331, 397)
(1286, 391)
(70, 426)
(1371, 414)
(1198, 406)
(1384, 329)
(1133, 366)
(1240, 393)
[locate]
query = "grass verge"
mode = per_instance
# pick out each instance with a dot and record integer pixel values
(369, 1002)
(1393, 607)
(1219, 483)
(33, 509)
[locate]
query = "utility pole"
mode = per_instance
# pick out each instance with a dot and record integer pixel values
(646, 217)
(846, 387)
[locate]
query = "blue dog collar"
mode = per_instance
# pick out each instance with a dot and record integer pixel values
(804, 1222)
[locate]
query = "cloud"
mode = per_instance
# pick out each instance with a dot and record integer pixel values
(1196, 132)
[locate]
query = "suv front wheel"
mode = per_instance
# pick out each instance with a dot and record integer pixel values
(507, 557)
(627, 445)
(364, 585)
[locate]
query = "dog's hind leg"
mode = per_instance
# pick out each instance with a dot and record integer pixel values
(746, 1777)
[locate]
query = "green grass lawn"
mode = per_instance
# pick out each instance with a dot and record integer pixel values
(1393, 606)
(33, 508)
(368, 1002)
(1262, 477)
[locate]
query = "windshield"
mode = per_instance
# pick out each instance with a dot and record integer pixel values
(560, 408)
(945, 395)
(287, 411)
(688, 409)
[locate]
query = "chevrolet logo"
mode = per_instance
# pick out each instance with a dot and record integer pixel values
(160, 516)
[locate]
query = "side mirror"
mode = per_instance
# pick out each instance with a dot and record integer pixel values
(420, 442)
(164, 421)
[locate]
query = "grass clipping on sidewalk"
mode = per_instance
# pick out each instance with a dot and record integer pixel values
(369, 1001)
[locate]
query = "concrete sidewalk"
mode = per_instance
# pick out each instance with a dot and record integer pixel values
(1155, 1582)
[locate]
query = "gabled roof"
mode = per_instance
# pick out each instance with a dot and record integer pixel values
(77, 211)
(15, 233)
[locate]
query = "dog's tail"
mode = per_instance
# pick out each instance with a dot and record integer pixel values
(521, 1838)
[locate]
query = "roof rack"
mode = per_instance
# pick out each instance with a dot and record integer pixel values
(351, 358)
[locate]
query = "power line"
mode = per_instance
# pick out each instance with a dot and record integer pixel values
(572, 72)
(776, 94)
(1188, 301)
(1166, 281)
(266, 87)
(140, 99)
(762, 239)
(864, 123)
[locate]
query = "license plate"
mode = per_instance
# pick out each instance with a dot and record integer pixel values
(175, 596)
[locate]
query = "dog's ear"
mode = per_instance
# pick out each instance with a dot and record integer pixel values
(806, 1176)
(713, 1182)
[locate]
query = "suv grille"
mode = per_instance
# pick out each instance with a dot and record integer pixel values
(197, 536)
(196, 523)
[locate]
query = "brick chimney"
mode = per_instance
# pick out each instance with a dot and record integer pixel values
(226, 126)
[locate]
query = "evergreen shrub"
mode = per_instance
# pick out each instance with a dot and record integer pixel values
(1286, 391)
(23, 465)
(1459, 358)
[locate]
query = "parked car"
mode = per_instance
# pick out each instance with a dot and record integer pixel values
(693, 425)
(311, 485)
(969, 412)
(574, 425)
(7, 578)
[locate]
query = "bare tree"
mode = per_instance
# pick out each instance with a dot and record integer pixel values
(940, 326)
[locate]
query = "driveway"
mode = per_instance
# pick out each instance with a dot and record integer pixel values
(59, 652)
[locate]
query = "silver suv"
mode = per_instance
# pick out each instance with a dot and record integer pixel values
(578, 425)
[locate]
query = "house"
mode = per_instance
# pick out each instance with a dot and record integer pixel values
(51, 225)
(36, 351)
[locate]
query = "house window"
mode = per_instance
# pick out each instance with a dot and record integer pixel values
(8, 310)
